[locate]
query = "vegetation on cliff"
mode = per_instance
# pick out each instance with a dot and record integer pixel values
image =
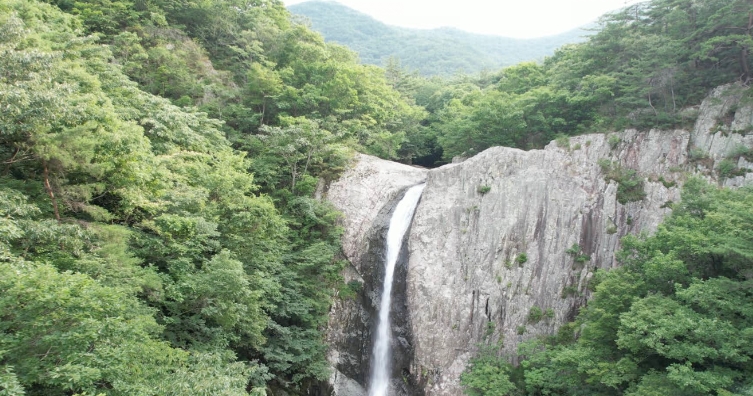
(674, 318)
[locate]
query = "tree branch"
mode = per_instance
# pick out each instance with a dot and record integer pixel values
(48, 187)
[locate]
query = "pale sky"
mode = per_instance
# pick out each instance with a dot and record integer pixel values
(510, 18)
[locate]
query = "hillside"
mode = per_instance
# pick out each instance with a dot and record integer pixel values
(442, 51)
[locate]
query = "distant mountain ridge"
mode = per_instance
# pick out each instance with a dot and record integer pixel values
(442, 51)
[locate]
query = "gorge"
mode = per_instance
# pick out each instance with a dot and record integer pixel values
(399, 224)
(493, 236)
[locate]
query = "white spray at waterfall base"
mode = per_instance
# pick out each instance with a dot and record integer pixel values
(399, 223)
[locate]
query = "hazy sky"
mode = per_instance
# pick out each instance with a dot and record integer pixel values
(511, 18)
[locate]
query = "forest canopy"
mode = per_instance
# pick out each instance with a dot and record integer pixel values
(159, 231)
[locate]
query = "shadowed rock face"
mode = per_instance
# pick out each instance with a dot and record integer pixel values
(466, 282)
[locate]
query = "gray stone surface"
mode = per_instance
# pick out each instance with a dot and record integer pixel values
(464, 284)
(365, 195)
(363, 191)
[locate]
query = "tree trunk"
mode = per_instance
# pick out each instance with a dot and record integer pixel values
(48, 187)
(745, 53)
(10, 161)
(263, 109)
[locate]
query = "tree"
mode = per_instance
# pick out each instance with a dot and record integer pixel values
(674, 319)
(488, 375)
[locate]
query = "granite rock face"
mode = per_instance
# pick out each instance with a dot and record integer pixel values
(480, 261)
(725, 124)
(508, 230)
(366, 195)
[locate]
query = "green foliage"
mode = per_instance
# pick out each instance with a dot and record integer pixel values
(579, 257)
(696, 154)
(741, 151)
(629, 184)
(569, 291)
(9, 385)
(351, 290)
(673, 319)
(573, 250)
(490, 327)
(563, 141)
(139, 255)
(665, 183)
(96, 339)
(521, 259)
(643, 69)
(535, 315)
(728, 168)
(614, 140)
(487, 375)
(483, 189)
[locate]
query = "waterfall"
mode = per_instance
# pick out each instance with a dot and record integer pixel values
(399, 223)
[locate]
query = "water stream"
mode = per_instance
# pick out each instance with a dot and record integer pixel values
(399, 223)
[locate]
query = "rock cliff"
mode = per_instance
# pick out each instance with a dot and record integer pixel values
(366, 195)
(509, 231)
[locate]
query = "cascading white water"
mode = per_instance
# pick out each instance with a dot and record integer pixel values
(399, 223)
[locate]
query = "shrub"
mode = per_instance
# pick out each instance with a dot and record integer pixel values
(569, 291)
(696, 154)
(629, 184)
(727, 168)
(535, 315)
(667, 184)
(563, 141)
(575, 249)
(741, 151)
(351, 290)
(614, 140)
(605, 164)
(489, 329)
(483, 189)
(522, 258)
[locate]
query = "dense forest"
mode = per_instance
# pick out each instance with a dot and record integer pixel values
(159, 227)
(159, 233)
(442, 51)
